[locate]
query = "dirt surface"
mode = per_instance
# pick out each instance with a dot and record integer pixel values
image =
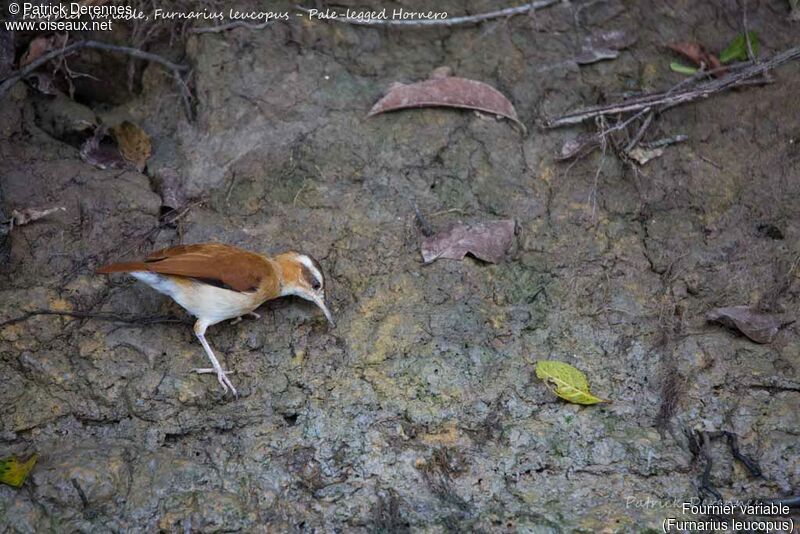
(421, 410)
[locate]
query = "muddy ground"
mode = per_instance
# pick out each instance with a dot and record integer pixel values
(420, 410)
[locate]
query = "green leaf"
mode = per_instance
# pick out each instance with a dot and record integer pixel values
(681, 68)
(737, 50)
(14, 471)
(570, 384)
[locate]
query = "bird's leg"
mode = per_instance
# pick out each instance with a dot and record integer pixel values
(254, 315)
(200, 331)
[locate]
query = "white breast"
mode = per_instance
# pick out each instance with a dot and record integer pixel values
(213, 304)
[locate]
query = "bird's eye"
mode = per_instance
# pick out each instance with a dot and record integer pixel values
(315, 285)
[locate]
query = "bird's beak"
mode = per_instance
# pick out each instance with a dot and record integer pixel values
(320, 301)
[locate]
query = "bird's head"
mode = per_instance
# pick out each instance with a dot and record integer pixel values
(302, 276)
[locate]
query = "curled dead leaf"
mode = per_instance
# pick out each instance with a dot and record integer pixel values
(443, 90)
(100, 152)
(759, 326)
(170, 186)
(133, 142)
(487, 241)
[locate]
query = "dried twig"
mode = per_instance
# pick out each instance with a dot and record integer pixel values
(111, 255)
(424, 226)
(455, 21)
(666, 141)
(14, 77)
(665, 100)
(178, 215)
(639, 133)
(120, 318)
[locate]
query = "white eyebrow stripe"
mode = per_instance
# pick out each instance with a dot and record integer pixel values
(305, 260)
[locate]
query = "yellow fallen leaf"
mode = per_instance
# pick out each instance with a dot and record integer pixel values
(570, 383)
(133, 142)
(14, 471)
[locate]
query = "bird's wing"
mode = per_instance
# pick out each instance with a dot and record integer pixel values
(212, 263)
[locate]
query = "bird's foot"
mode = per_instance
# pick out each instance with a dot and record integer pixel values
(222, 378)
(254, 315)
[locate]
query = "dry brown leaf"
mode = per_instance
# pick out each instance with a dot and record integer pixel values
(36, 48)
(134, 143)
(697, 54)
(28, 215)
(446, 91)
(759, 326)
(487, 241)
(41, 45)
(103, 155)
(169, 185)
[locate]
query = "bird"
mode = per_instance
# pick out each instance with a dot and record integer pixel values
(216, 282)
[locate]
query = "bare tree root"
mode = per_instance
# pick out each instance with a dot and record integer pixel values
(176, 69)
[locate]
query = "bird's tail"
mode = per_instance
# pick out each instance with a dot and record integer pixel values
(125, 267)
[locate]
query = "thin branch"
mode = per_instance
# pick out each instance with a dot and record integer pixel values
(424, 226)
(455, 21)
(667, 141)
(593, 193)
(639, 133)
(120, 318)
(14, 77)
(140, 240)
(750, 54)
(665, 100)
(162, 224)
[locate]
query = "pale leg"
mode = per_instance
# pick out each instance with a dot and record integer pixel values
(200, 331)
(254, 315)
